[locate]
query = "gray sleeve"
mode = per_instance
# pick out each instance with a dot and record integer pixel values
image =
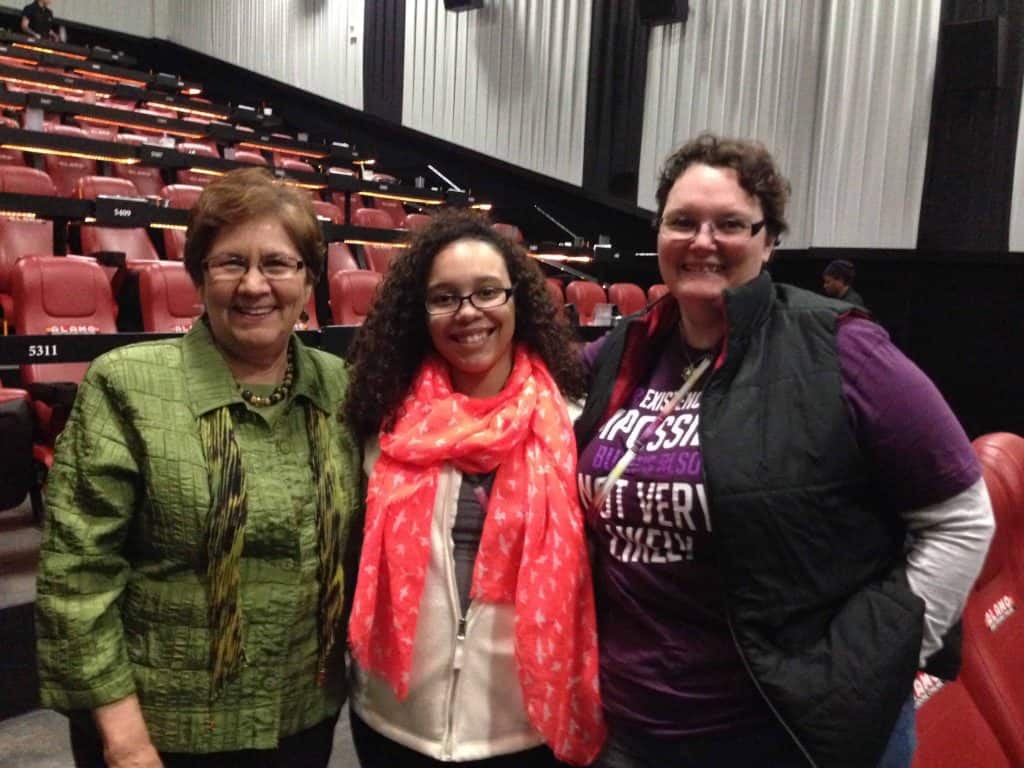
(949, 542)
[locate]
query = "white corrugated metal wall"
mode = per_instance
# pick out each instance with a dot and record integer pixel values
(316, 45)
(839, 91)
(508, 80)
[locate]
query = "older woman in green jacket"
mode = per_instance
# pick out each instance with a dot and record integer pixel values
(190, 607)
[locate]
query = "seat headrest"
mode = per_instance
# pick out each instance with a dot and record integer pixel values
(91, 187)
(25, 181)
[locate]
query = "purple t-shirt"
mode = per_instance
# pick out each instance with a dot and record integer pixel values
(668, 664)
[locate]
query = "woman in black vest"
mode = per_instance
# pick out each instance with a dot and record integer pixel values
(754, 459)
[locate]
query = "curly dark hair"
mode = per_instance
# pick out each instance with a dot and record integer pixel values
(394, 341)
(758, 174)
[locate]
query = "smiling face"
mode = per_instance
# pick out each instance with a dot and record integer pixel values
(476, 343)
(251, 318)
(699, 269)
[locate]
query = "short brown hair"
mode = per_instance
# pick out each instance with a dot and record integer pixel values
(246, 194)
(758, 174)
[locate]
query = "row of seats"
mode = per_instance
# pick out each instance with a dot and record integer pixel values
(587, 296)
(978, 719)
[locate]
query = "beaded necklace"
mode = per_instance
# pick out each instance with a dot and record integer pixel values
(281, 391)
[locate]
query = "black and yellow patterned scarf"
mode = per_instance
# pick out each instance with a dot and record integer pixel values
(225, 535)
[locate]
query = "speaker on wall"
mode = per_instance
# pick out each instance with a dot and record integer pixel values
(462, 5)
(654, 12)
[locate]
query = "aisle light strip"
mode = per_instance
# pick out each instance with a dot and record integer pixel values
(90, 74)
(376, 242)
(140, 126)
(71, 153)
(50, 50)
(404, 198)
(282, 150)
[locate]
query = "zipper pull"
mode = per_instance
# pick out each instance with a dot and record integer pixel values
(460, 639)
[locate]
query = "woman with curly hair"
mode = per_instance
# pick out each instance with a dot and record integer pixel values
(473, 625)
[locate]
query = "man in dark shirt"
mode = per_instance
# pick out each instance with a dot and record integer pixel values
(37, 20)
(837, 282)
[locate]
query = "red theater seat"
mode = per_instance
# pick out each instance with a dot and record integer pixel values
(148, 179)
(249, 157)
(373, 218)
(181, 196)
(338, 198)
(169, 300)
(134, 242)
(21, 237)
(195, 177)
(338, 254)
(993, 622)
(1002, 454)
(328, 211)
(378, 257)
(56, 296)
(352, 295)
(510, 231)
(585, 296)
(628, 297)
(951, 732)
(66, 171)
(10, 156)
(393, 208)
(656, 291)
(415, 221)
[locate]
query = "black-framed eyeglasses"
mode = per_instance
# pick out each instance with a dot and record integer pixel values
(729, 229)
(488, 297)
(274, 267)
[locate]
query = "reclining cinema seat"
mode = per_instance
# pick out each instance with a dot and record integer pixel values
(11, 156)
(134, 242)
(655, 292)
(339, 256)
(1003, 454)
(585, 296)
(21, 237)
(951, 732)
(628, 297)
(378, 257)
(56, 296)
(352, 295)
(291, 164)
(66, 171)
(169, 299)
(993, 624)
(189, 176)
(338, 198)
(393, 208)
(182, 196)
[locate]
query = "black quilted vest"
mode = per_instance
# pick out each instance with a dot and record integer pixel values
(811, 558)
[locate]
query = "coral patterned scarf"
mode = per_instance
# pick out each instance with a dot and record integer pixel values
(532, 550)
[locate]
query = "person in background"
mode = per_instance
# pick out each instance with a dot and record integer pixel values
(786, 515)
(472, 627)
(37, 20)
(191, 587)
(837, 282)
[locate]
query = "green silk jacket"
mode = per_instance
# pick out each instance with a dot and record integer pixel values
(122, 604)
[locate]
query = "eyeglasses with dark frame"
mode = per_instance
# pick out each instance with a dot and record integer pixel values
(729, 229)
(274, 267)
(488, 297)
